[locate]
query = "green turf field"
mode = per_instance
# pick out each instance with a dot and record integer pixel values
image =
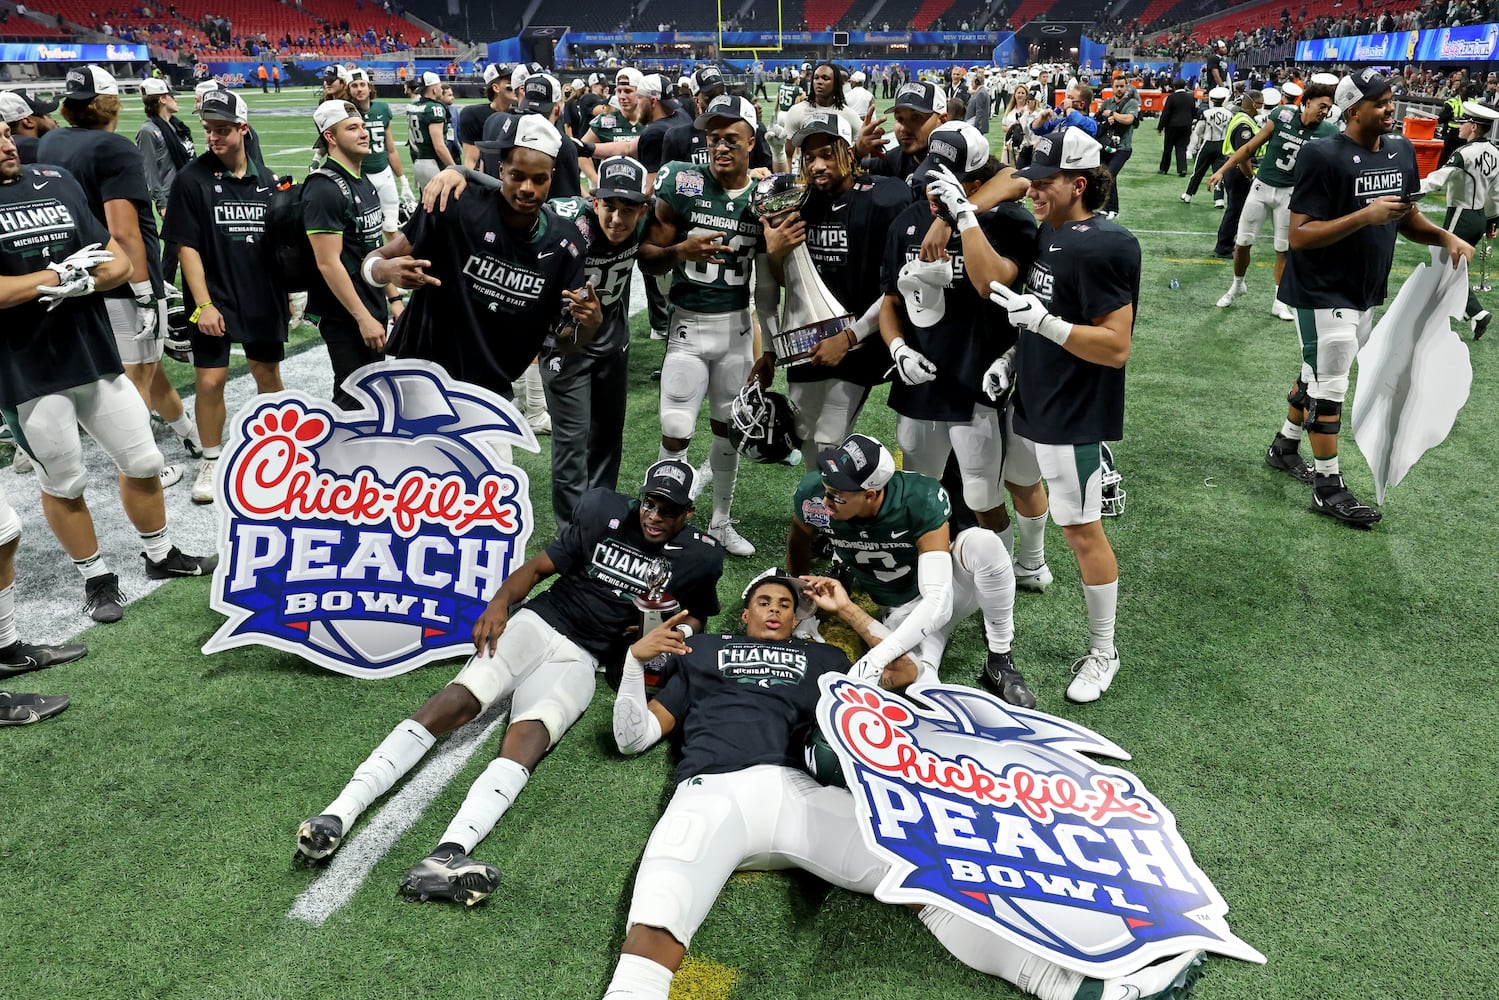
(1315, 703)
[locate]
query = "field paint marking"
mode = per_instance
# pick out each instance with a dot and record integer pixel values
(352, 865)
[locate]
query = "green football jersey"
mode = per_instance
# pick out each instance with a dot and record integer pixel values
(423, 113)
(788, 95)
(1278, 163)
(702, 205)
(880, 552)
(612, 125)
(607, 266)
(377, 120)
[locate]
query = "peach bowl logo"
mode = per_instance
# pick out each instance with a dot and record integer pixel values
(368, 542)
(993, 813)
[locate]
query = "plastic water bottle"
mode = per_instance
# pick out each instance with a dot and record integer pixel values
(1175, 284)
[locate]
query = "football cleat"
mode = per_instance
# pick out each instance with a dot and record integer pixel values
(20, 463)
(1234, 291)
(1284, 455)
(317, 839)
(179, 563)
(170, 475)
(1331, 497)
(1168, 979)
(24, 657)
(1280, 310)
(541, 423)
(732, 541)
(24, 709)
(1186, 199)
(658, 334)
(448, 873)
(1481, 323)
(1001, 677)
(103, 599)
(1033, 578)
(1218, 203)
(203, 483)
(1093, 675)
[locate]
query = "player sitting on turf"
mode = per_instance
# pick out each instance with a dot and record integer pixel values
(743, 802)
(891, 530)
(543, 656)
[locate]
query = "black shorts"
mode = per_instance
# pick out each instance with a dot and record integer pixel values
(213, 352)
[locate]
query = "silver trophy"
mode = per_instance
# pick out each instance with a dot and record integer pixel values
(810, 313)
(656, 605)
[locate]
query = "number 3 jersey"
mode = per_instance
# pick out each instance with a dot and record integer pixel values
(608, 266)
(702, 205)
(1278, 162)
(880, 551)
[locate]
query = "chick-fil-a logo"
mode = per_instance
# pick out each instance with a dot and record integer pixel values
(994, 813)
(369, 541)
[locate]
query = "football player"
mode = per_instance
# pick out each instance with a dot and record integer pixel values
(941, 331)
(1076, 323)
(1283, 136)
(689, 143)
(113, 176)
(427, 123)
(705, 232)
(611, 125)
(845, 213)
(383, 164)
(1346, 210)
(891, 530)
(61, 369)
(17, 657)
(543, 656)
(744, 802)
(827, 95)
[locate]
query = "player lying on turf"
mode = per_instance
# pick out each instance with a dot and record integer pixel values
(743, 802)
(543, 656)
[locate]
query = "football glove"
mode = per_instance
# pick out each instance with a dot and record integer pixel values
(999, 380)
(947, 191)
(775, 138)
(152, 311)
(1026, 312)
(910, 364)
(407, 196)
(71, 282)
(89, 257)
(866, 670)
(586, 149)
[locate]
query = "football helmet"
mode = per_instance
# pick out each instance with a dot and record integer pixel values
(177, 344)
(821, 760)
(1113, 484)
(762, 425)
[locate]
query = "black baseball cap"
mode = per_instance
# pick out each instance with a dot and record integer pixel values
(39, 105)
(927, 98)
(623, 177)
(1360, 86)
(773, 575)
(859, 463)
(539, 93)
(670, 479)
(707, 81)
(958, 146)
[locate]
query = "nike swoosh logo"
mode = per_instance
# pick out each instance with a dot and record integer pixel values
(41, 185)
(544, 256)
(1053, 248)
(30, 663)
(1391, 156)
(1073, 159)
(1125, 993)
(839, 208)
(672, 548)
(900, 534)
(261, 190)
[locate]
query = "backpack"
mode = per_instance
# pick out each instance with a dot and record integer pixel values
(292, 258)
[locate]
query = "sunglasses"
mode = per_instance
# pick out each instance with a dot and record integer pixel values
(669, 511)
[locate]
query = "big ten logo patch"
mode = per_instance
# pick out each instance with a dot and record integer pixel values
(369, 541)
(995, 813)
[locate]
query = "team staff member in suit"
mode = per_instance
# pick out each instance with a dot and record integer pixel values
(1076, 323)
(1176, 125)
(1346, 209)
(341, 211)
(61, 369)
(217, 217)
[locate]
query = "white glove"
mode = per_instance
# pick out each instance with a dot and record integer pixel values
(947, 191)
(407, 197)
(1028, 313)
(775, 137)
(1000, 378)
(71, 282)
(152, 318)
(910, 364)
(864, 669)
(89, 257)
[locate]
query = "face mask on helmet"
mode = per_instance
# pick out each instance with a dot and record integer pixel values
(1113, 485)
(762, 426)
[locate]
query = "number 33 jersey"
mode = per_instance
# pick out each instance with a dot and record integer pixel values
(702, 205)
(880, 551)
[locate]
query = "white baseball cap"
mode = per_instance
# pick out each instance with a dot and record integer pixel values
(153, 87)
(651, 85)
(920, 284)
(629, 76)
(528, 132)
(330, 113)
(430, 79)
(88, 82)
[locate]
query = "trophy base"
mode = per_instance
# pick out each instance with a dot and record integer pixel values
(795, 347)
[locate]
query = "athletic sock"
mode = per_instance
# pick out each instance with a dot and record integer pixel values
(398, 754)
(1290, 430)
(214, 452)
(488, 798)
(724, 461)
(1103, 602)
(8, 634)
(92, 566)
(158, 544)
(1327, 466)
(1007, 538)
(1032, 541)
(663, 453)
(638, 978)
(536, 397)
(982, 556)
(183, 425)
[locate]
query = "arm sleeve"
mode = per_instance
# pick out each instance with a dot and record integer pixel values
(934, 583)
(635, 728)
(767, 302)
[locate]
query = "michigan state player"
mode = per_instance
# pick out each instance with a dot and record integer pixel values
(891, 530)
(427, 125)
(1283, 135)
(611, 125)
(706, 234)
(383, 166)
(1348, 205)
(787, 96)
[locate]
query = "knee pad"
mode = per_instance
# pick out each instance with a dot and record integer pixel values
(977, 551)
(1298, 396)
(664, 903)
(10, 523)
(1326, 416)
(142, 460)
(982, 493)
(1331, 389)
(557, 714)
(683, 386)
(64, 476)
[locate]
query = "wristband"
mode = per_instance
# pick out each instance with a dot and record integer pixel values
(143, 292)
(367, 271)
(685, 629)
(966, 221)
(198, 312)
(392, 298)
(852, 337)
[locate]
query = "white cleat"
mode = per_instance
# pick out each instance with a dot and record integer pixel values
(732, 541)
(203, 485)
(171, 475)
(701, 476)
(1186, 199)
(1169, 979)
(1033, 578)
(1280, 310)
(1094, 673)
(1234, 291)
(20, 464)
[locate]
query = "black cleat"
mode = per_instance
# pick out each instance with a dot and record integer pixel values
(1284, 455)
(178, 563)
(1001, 677)
(24, 709)
(1331, 497)
(448, 873)
(1481, 323)
(317, 839)
(23, 657)
(103, 599)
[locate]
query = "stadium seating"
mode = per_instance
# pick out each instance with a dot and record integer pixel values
(605, 17)
(1029, 10)
(928, 12)
(821, 13)
(17, 28)
(1250, 17)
